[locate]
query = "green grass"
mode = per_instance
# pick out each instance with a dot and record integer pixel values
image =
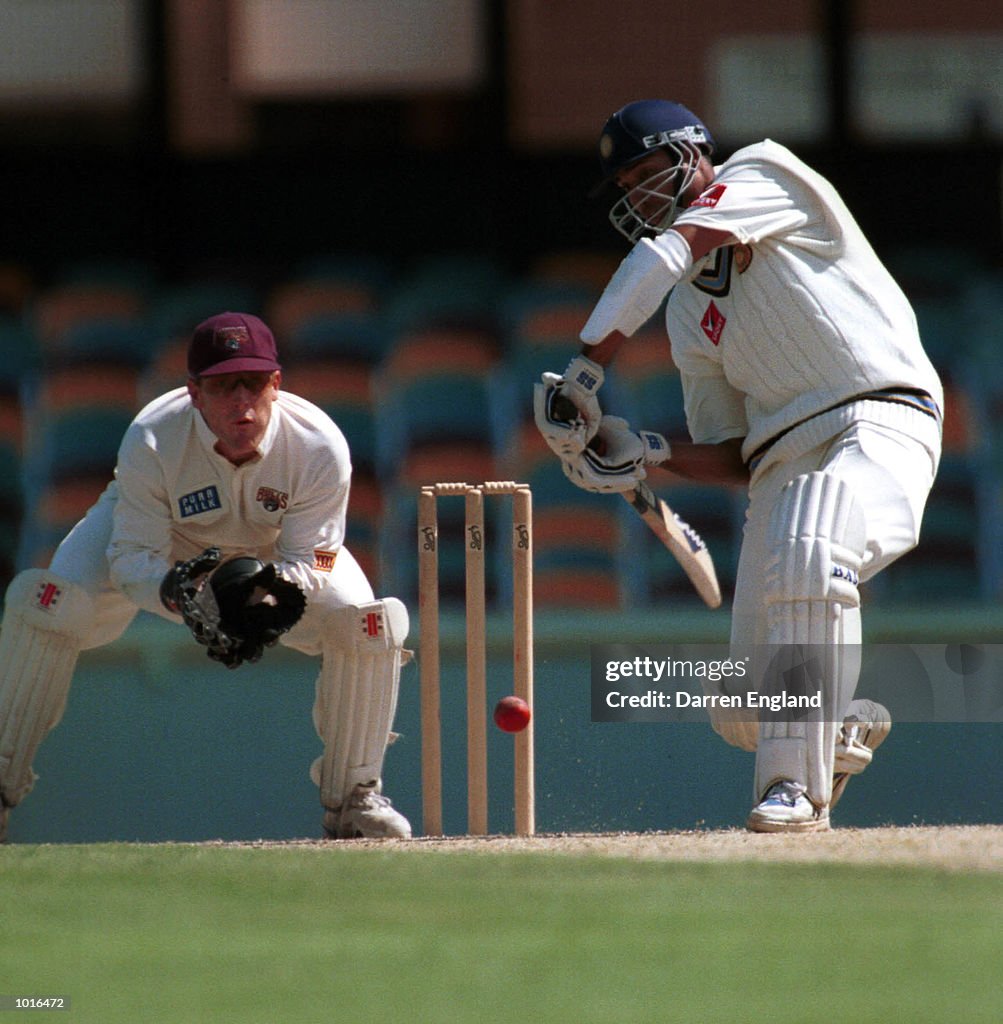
(211, 934)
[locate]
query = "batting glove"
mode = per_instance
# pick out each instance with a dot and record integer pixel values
(566, 409)
(616, 460)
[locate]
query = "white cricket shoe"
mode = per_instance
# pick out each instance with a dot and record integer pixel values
(367, 815)
(865, 728)
(785, 808)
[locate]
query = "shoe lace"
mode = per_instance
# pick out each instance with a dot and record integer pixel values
(785, 793)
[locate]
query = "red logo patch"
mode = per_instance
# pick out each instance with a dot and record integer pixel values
(711, 197)
(713, 323)
(373, 624)
(48, 596)
(323, 561)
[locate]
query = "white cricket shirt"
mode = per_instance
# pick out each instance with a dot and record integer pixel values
(176, 496)
(799, 316)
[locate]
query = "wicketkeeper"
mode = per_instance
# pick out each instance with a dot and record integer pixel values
(803, 376)
(227, 516)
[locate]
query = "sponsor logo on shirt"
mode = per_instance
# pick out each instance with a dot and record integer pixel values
(272, 499)
(711, 197)
(205, 499)
(713, 323)
(323, 561)
(48, 596)
(743, 257)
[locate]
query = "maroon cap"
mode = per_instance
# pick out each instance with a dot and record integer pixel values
(231, 343)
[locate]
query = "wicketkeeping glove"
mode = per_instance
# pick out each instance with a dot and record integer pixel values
(236, 609)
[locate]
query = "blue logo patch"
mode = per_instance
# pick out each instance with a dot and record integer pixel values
(206, 499)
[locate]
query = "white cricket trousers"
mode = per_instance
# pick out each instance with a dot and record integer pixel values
(885, 452)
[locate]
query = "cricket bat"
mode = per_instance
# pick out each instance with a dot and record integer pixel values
(680, 538)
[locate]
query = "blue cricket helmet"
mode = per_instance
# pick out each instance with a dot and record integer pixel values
(638, 128)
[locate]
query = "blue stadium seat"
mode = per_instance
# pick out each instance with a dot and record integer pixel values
(447, 292)
(177, 309)
(347, 337)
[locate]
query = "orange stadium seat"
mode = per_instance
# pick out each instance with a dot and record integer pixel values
(56, 311)
(292, 304)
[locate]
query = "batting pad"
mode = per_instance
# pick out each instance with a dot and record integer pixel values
(818, 535)
(357, 695)
(46, 620)
(735, 726)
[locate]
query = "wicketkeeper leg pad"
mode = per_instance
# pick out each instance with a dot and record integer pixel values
(818, 536)
(46, 621)
(357, 695)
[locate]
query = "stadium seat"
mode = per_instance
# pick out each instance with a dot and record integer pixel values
(346, 337)
(364, 524)
(542, 322)
(644, 386)
(80, 441)
(106, 342)
(588, 269)
(433, 388)
(87, 387)
(56, 311)
(446, 292)
(293, 303)
(426, 351)
(577, 554)
(178, 308)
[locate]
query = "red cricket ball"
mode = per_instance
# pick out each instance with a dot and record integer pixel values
(512, 714)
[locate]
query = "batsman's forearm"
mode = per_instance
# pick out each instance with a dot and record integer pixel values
(708, 463)
(604, 351)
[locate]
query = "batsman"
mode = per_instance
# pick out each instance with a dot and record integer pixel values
(804, 378)
(226, 515)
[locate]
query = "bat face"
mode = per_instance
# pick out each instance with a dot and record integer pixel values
(681, 539)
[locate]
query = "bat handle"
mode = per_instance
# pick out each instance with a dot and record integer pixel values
(564, 409)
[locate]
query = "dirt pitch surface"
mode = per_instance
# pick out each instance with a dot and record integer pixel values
(951, 848)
